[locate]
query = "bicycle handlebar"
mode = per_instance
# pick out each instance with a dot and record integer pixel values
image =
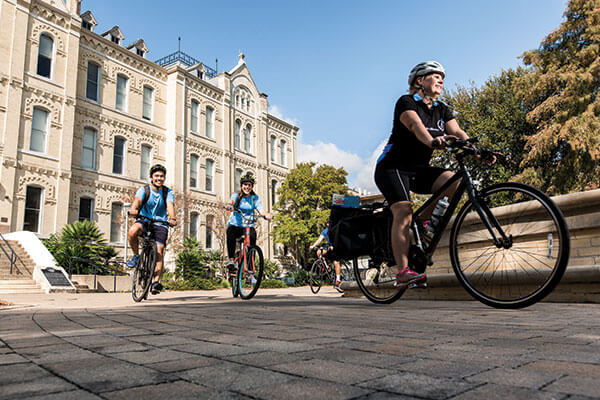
(152, 220)
(252, 218)
(468, 147)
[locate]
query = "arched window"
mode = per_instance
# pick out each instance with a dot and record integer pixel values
(283, 153)
(210, 122)
(88, 151)
(86, 209)
(45, 50)
(236, 178)
(195, 112)
(33, 208)
(237, 138)
(122, 85)
(148, 103)
(209, 232)
(273, 148)
(116, 211)
(247, 139)
(119, 155)
(194, 224)
(210, 167)
(93, 81)
(39, 130)
(194, 161)
(273, 192)
(146, 161)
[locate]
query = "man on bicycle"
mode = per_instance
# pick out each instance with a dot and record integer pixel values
(244, 202)
(158, 205)
(421, 123)
(331, 255)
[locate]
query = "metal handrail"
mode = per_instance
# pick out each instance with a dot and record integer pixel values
(115, 265)
(13, 255)
(186, 60)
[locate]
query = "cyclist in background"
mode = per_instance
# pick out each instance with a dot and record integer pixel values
(154, 201)
(421, 123)
(331, 255)
(247, 202)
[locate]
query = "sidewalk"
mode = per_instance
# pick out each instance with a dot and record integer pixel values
(289, 344)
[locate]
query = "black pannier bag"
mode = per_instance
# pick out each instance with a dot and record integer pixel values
(351, 232)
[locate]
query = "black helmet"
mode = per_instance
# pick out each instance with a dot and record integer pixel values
(425, 68)
(157, 167)
(248, 177)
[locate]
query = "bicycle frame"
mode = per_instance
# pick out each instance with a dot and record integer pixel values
(466, 185)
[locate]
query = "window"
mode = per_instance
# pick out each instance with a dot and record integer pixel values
(146, 161)
(39, 127)
(118, 155)
(195, 110)
(115, 39)
(148, 99)
(283, 153)
(122, 82)
(93, 78)
(209, 232)
(116, 211)
(273, 148)
(194, 161)
(210, 166)
(33, 203)
(210, 117)
(273, 191)
(140, 52)
(237, 177)
(86, 25)
(86, 208)
(44, 64)
(194, 225)
(247, 141)
(238, 139)
(88, 153)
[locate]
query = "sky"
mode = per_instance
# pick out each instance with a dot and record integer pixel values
(335, 68)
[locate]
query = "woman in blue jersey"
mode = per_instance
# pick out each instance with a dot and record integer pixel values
(330, 255)
(247, 202)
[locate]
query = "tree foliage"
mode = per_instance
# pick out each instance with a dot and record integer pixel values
(194, 262)
(497, 116)
(562, 93)
(304, 204)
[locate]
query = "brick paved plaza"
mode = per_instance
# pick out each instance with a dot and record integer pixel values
(290, 344)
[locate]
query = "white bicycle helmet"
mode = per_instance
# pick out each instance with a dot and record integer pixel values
(425, 68)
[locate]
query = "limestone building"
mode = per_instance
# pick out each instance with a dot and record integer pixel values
(83, 115)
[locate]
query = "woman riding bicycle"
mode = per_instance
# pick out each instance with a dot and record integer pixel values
(246, 201)
(421, 123)
(158, 203)
(330, 254)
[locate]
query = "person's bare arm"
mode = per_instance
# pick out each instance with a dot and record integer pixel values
(411, 120)
(453, 129)
(171, 213)
(135, 205)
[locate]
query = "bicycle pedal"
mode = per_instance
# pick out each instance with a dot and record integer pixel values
(418, 285)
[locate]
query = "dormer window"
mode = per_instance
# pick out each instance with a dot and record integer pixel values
(114, 39)
(88, 21)
(139, 48)
(140, 52)
(86, 25)
(114, 35)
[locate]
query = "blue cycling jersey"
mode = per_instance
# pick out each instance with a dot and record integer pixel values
(247, 206)
(155, 207)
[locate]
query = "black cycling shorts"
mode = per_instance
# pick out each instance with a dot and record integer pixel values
(396, 184)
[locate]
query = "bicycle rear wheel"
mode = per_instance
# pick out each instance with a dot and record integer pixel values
(315, 276)
(525, 267)
(250, 273)
(346, 272)
(376, 280)
(143, 273)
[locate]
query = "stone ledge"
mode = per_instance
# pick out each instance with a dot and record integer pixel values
(580, 284)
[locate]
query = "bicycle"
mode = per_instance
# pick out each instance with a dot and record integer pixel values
(509, 243)
(321, 272)
(249, 263)
(144, 270)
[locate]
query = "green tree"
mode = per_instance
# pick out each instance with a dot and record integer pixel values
(497, 116)
(304, 205)
(563, 94)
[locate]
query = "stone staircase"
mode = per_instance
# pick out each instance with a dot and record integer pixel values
(20, 280)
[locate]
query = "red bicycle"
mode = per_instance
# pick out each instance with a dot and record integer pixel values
(249, 263)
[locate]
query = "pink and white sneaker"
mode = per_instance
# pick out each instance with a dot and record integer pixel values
(407, 276)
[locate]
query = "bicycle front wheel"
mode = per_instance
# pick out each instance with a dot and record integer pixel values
(346, 272)
(529, 257)
(376, 280)
(250, 273)
(315, 277)
(143, 273)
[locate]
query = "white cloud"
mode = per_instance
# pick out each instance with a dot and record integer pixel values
(277, 112)
(360, 170)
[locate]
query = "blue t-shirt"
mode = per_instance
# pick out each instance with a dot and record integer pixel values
(155, 207)
(247, 206)
(325, 234)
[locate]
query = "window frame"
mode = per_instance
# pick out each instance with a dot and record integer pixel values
(97, 83)
(209, 232)
(195, 116)
(124, 152)
(93, 150)
(113, 223)
(90, 217)
(273, 148)
(44, 133)
(283, 152)
(144, 171)
(248, 139)
(209, 177)
(39, 210)
(194, 170)
(237, 143)
(209, 125)
(194, 221)
(149, 104)
(50, 59)
(125, 96)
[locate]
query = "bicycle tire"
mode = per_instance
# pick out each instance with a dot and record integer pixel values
(315, 278)
(144, 272)
(346, 272)
(523, 273)
(254, 262)
(376, 280)
(234, 288)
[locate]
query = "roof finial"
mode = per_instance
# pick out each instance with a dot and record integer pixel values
(179, 45)
(241, 55)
